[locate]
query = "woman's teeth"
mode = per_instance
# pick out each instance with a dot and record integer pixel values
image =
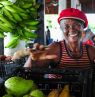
(72, 35)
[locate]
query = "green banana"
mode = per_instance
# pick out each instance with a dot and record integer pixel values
(33, 2)
(17, 17)
(1, 5)
(5, 28)
(15, 33)
(33, 9)
(18, 9)
(32, 27)
(2, 29)
(30, 34)
(34, 14)
(20, 32)
(12, 42)
(8, 15)
(22, 25)
(2, 35)
(4, 3)
(10, 8)
(32, 23)
(7, 25)
(3, 19)
(24, 15)
(27, 6)
(37, 5)
(15, 44)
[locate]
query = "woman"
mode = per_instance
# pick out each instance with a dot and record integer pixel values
(68, 53)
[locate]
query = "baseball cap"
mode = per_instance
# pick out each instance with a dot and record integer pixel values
(75, 14)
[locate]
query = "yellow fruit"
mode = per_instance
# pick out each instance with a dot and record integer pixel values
(54, 93)
(65, 92)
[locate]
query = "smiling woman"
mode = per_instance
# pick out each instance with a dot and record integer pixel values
(71, 29)
(68, 53)
(66, 27)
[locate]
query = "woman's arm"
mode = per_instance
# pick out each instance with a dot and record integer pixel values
(44, 57)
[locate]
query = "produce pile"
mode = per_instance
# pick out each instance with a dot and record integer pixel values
(20, 87)
(65, 92)
(20, 19)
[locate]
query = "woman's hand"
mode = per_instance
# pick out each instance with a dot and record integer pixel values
(20, 53)
(40, 52)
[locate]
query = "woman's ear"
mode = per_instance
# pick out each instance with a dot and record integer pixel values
(83, 34)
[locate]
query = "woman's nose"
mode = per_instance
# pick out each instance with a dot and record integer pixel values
(71, 27)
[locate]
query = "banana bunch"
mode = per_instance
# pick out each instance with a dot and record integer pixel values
(20, 19)
(5, 25)
(31, 6)
(13, 12)
(65, 92)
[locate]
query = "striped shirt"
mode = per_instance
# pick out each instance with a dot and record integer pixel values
(67, 61)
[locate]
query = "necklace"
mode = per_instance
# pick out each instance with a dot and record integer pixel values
(74, 54)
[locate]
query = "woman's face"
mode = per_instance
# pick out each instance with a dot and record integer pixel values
(72, 30)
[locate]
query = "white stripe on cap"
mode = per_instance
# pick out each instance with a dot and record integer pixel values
(72, 18)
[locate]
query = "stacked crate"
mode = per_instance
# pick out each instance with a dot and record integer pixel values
(79, 80)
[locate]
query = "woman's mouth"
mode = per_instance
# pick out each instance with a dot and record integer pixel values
(73, 35)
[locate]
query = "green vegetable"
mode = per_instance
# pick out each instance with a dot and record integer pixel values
(7, 95)
(18, 86)
(37, 93)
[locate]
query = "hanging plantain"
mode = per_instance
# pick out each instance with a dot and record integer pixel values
(19, 19)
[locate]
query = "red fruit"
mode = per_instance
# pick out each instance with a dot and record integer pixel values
(2, 57)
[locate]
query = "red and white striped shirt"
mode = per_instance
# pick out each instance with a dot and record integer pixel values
(67, 61)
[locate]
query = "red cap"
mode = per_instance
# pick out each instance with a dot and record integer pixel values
(73, 13)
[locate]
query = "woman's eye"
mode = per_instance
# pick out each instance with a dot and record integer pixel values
(66, 26)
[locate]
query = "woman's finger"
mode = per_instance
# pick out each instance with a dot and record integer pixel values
(36, 45)
(44, 57)
(50, 56)
(41, 47)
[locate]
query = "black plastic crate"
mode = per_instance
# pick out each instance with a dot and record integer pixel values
(7, 67)
(80, 81)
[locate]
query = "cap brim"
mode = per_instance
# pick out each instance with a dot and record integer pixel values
(72, 18)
